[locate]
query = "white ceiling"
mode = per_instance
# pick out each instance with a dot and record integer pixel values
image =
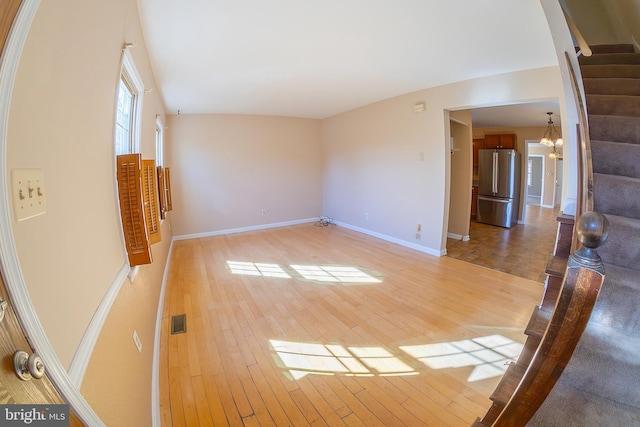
(317, 59)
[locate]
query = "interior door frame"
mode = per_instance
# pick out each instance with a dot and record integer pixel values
(9, 262)
(542, 175)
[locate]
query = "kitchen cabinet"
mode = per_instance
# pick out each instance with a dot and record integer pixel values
(474, 201)
(507, 140)
(478, 144)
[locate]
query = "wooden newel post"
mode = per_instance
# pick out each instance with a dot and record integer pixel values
(580, 289)
(592, 230)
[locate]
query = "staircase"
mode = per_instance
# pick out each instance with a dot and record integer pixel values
(601, 384)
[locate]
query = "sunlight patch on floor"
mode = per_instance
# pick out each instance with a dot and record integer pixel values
(316, 273)
(257, 269)
(330, 273)
(490, 355)
(302, 359)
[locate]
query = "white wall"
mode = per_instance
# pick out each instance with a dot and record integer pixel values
(227, 168)
(372, 154)
(62, 121)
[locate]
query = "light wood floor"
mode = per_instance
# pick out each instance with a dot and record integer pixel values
(522, 250)
(406, 339)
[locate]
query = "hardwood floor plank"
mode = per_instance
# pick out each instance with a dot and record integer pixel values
(175, 396)
(202, 402)
(299, 350)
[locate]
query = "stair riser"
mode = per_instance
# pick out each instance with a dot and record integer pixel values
(615, 158)
(610, 71)
(622, 248)
(606, 364)
(612, 48)
(614, 128)
(612, 86)
(617, 195)
(611, 58)
(620, 298)
(614, 105)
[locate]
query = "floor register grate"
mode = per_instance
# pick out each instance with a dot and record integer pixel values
(178, 324)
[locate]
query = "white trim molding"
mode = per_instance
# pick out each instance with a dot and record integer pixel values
(395, 240)
(155, 374)
(243, 229)
(14, 279)
(81, 358)
(456, 236)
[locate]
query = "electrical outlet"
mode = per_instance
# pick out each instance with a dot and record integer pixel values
(263, 211)
(27, 186)
(366, 215)
(136, 339)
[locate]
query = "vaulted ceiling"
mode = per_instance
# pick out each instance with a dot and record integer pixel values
(317, 59)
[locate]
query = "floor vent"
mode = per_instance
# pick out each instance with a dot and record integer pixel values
(179, 324)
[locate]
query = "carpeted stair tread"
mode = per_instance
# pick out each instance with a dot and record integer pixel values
(614, 128)
(612, 48)
(616, 158)
(614, 105)
(610, 58)
(622, 247)
(567, 407)
(617, 195)
(619, 294)
(612, 86)
(606, 363)
(610, 71)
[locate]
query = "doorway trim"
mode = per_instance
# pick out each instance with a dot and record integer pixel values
(9, 261)
(541, 178)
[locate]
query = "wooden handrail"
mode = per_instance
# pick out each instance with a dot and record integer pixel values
(585, 166)
(580, 288)
(577, 35)
(578, 292)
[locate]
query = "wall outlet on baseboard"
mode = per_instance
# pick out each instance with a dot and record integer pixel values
(366, 215)
(263, 212)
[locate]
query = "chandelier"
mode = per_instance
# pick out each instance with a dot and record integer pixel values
(551, 138)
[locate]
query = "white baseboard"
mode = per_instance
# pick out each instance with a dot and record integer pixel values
(458, 237)
(82, 356)
(244, 229)
(155, 374)
(395, 240)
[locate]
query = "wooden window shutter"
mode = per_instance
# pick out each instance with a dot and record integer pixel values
(162, 198)
(150, 197)
(132, 209)
(167, 184)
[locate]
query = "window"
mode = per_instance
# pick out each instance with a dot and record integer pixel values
(136, 186)
(530, 172)
(159, 142)
(128, 108)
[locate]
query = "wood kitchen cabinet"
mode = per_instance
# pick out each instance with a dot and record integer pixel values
(506, 140)
(474, 201)
(478, 144)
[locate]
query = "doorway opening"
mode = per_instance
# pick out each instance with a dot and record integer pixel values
(535, 179)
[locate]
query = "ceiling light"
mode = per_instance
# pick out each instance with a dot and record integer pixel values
(551, 138)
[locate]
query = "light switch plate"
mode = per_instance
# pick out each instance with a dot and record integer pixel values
(28, 191)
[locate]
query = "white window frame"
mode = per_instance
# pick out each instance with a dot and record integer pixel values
(130, 74)
(159, 141)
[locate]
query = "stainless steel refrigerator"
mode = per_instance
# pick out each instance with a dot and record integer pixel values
(498, 187)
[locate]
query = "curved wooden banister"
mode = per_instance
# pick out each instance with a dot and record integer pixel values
(585, 166)
(582, 43)
(577, 294)
(580, 289)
